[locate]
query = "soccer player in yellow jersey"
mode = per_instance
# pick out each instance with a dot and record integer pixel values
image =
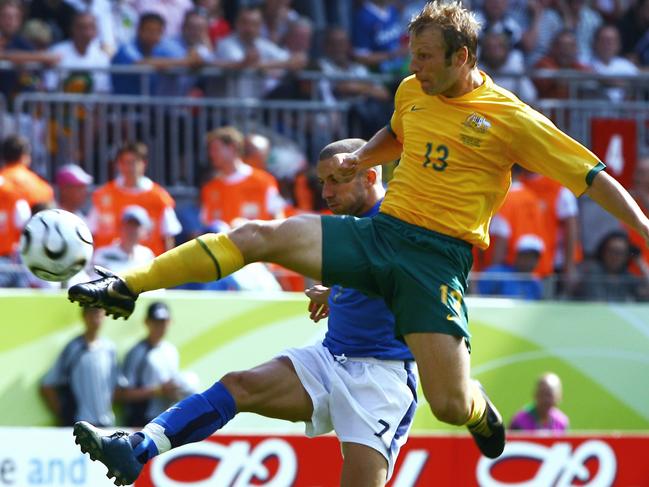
(457, 135)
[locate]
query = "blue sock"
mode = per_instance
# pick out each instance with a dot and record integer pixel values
(197, 416)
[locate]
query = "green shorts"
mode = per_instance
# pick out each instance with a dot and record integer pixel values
(422, 275)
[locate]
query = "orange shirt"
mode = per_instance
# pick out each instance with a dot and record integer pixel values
(249, 193)
(109, 202)
(548, 191)
(520, 214)
(9, 226)
(29, 185)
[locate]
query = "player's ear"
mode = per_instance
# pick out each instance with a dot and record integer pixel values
(370, 177)
(461, 56)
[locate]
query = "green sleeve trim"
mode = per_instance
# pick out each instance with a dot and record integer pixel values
(594, 171)
(389, 128)
(211, 255)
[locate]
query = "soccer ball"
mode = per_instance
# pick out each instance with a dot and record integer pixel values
(55, 245)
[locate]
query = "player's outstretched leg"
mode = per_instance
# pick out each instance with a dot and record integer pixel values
(192, 419)
(109, 292)
(295, 243)
(488, 430)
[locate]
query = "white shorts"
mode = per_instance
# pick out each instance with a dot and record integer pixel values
(364, 400)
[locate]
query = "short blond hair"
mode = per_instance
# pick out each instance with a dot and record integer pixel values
(458, 25)
(228, 135)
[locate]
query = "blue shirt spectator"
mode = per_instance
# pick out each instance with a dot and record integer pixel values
(148, 44)
(377, 36)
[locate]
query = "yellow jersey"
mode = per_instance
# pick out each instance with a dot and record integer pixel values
(455, 166)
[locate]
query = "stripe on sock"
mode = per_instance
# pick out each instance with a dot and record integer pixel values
(157, 435)
(209, 252)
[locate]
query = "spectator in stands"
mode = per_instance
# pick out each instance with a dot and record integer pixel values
(256, 149)
(297, 41)
(172, 12)
(377, 36)
(38, 34)
(14, 213)
(148, 48)
(73, 183)
(57, 14)
(132, 187)
(506, 65)
(371, 101)
(237, 190)
(16, 157)
(561, 229)
(634, 28)
(81, 383)
(494, 17)
(606, 60)
(218, 27)
(543, 414)
(278, 17)
(563, 55)
(578, 17)
(520, 214)
(150, 371)
(516, 280)
(608, 278)
(246, 49)
(541, 23)
(81, 54)
(16, 49)
(195, 50)
(127, 252)
(101, 10)
(124, 18)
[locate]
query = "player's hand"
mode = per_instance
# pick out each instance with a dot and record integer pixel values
(318, 304)
(170, 390)
(347, 167)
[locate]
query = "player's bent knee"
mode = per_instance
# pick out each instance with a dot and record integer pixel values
(253, 238)
(450, 410)
(243, 388)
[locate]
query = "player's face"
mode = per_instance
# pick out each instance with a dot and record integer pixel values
(131, 166)
(341, 198)
(221, 155)
(435, 73)
(157, 329)
(93, 318)
(546, 397)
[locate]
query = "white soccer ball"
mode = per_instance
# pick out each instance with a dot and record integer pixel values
(55, 245)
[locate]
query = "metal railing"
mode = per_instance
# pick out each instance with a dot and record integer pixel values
(87, 129)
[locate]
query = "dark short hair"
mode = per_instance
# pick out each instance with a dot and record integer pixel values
(138, 148)
(151, 17)
(14, 147)
(339, 147)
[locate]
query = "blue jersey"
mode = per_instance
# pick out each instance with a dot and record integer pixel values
(360, 326)
(378, 30)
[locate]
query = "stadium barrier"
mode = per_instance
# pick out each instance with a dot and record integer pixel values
(88, 128)
(48, 456)
(598, 349)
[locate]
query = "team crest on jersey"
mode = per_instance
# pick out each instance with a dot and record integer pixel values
(477, 122)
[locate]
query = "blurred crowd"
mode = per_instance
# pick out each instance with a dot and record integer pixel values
(278, 38)
(545, 242)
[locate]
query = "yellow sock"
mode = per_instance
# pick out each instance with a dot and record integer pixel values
(207, 258)
(478, 406)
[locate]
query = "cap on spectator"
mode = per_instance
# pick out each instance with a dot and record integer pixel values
(73, 175)
(158, 311)
(530, 243)
(137, 214)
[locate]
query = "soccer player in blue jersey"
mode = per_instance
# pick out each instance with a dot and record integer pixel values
(340, 384)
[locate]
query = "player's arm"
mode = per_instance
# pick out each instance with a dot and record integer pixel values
(51, 398)
(612, 196)
(382, 148)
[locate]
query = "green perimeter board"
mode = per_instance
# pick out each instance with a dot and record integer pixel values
(599, 350)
